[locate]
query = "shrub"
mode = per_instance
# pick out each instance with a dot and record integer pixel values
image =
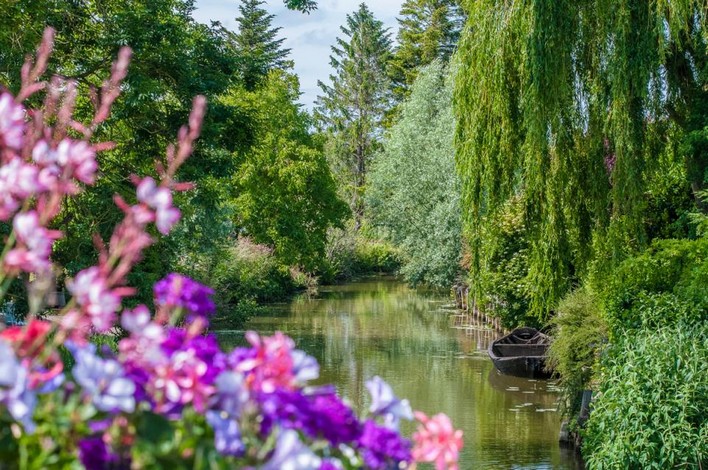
(650, 411)
(664, 285)
(350, 254)
(579, 334)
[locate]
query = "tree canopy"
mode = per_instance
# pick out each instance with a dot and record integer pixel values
(576, 109)
(413, 190)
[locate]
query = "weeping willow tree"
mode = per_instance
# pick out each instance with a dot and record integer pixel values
(564, 107)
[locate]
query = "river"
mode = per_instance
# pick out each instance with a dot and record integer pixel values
(409, 337)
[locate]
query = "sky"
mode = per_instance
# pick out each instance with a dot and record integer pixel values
(308, 36)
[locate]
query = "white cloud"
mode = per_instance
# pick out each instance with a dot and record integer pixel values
(309, 36)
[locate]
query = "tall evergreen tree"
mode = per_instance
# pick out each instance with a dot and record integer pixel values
(256, 43)
(574, 108)
(428, 30)
(353, 108)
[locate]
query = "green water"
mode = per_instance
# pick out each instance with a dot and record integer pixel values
(409, 338)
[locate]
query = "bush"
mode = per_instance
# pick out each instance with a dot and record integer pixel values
(579, 334)
(650, 412)
(350, 254)
(666, 284)
(245, 275)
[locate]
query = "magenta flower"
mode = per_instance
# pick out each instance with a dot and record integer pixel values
(189, 373)
(90, 289)
(269, 365)
(35, 245)
(436, 441)
(160, 200)
(12, 122)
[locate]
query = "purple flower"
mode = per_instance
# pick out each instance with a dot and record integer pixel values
(103, 380)
(385, 403)
(231, 394)
(14, 391)
(318, 414)
(180, 291)
(290, 453)
(305, 367)
(383, 448)
(331, 464)
(94, 455)
(227, 435)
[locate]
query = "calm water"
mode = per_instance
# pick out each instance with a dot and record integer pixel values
(409, 337)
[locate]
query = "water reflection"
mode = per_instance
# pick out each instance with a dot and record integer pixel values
(413, 339)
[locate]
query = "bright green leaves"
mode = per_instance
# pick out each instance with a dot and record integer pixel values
(285, 194)
(568, 106)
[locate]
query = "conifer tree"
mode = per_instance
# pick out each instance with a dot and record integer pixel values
(256, 43)
(352, 109)
(428, 30)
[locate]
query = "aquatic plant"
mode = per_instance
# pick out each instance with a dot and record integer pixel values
(166, 395)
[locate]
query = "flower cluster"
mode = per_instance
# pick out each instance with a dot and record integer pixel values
(166, 388)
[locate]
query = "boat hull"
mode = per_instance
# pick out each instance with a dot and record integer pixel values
(521, 353)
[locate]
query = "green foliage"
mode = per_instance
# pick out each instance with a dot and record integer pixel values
(174, 58)
(350, 253)
(665, 285)
(567, 105)
(352, 110)
(579, 336)
(500, 287)
(256, 45)
(428, 30)
(286, 195)
(650, 410)
(413, 192)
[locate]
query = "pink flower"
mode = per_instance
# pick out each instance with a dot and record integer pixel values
(271, 365)
(76, 156)
(181, 381)
(12, 124)
(160, 200)
(34, 244)
(18, 181)
(437, 441)
(92, 293)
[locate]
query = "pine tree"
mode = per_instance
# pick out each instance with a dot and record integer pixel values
(428, 30)
(353, 108)
(256, 45)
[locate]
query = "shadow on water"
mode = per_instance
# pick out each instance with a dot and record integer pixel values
(412, 339)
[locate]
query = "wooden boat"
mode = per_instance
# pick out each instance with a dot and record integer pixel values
(521, 353)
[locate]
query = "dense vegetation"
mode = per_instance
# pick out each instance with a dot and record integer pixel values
(552, 154)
